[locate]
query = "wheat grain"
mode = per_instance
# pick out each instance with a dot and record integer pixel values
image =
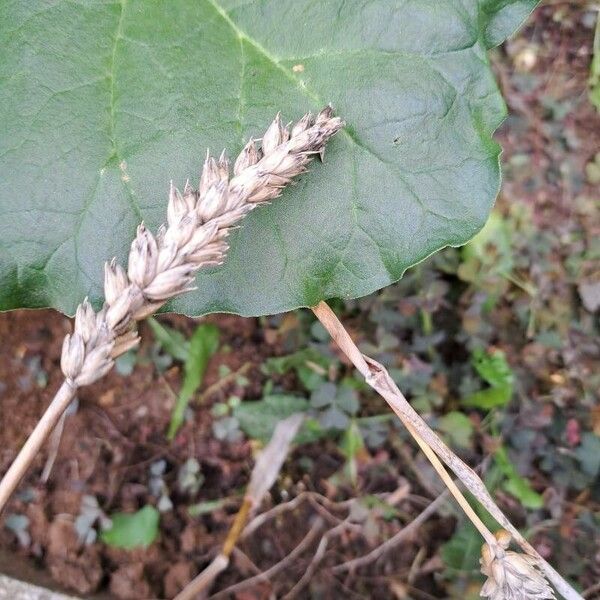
(510, 575)
(198, 223)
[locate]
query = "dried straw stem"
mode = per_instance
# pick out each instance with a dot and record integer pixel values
(378, 378)
(163, 267)
(265, 472)
(34, 442)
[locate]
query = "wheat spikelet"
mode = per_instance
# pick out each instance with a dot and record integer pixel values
(198, 223)
(510, 575)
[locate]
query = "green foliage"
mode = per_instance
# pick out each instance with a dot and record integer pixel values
(515, 484)
(457, 427)
(195, 354)
(132, 530)
(225, 426)
(352, 444)
(462, 552)
(103, 105)
(495, 370)
(172, 341)
(190, 477)
(460, 556)
(374, 430)
(309, 364)
(259, 419)
(336, 404)
(203, 344)
(500, 17)
(491, 248)
(588, 454)
(206, 507)
(227, 429)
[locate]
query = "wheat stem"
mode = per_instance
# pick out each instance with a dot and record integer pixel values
(487, 535)
(35, 441)
(379, 379)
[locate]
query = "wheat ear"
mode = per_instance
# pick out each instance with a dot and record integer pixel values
(511, 575)
(162, 267)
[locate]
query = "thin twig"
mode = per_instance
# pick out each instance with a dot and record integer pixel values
(290, 558)
(317, 558)
(388, 545)
(591, 590)
(452, 487)
(238, 525)
(292, 504)
(324, 512)
(35, 441)
(200, 585)
(426, 484)
(266, 469)
(242, 559)
(344, 341)
(415, 565)
(221, 383)
(379, 379)
(261, 519)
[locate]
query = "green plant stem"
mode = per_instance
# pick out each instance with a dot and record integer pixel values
(426, 322)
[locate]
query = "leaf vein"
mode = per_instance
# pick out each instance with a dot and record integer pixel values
(112, 112)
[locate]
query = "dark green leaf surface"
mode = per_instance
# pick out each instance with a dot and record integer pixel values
(259, 419)
(102, 103)
(500, 16)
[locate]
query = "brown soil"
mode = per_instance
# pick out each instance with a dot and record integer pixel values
(106, 450)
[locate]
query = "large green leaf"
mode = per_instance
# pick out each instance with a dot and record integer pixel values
(102, 103)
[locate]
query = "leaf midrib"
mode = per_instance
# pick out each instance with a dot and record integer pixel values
(112, 114)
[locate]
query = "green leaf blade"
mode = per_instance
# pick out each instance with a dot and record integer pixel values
(494, 369)
(203, 344)
(132, 530)
(514, 483)
(258, 419)
(172, 341)
(503, 17)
